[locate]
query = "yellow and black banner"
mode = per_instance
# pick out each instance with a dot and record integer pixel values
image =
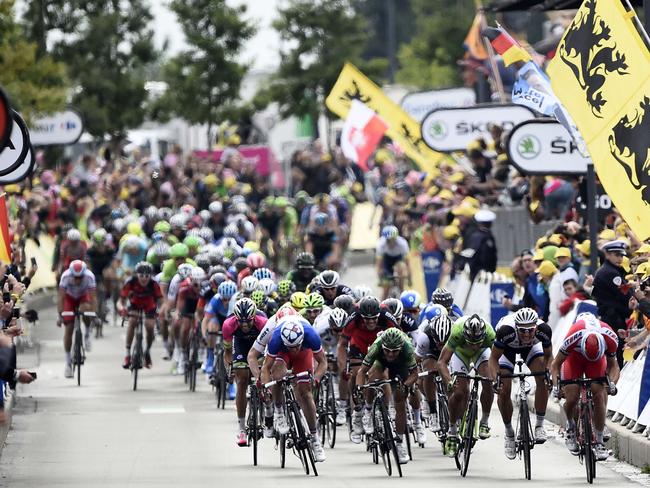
(402, 128)
(601, 74)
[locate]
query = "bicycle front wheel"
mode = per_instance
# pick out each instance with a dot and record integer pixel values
(381, 436)
(588, 444)
(524, 436)
(468, 435)
(253, 419)
(78, 351)
(330, 405)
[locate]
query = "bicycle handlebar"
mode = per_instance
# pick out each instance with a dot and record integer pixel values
(380, 383)
(72, 314)
(476, 376)
(522, 375)
(288, 378)
(586, 381)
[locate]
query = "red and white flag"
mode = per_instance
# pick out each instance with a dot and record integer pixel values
(362, 132)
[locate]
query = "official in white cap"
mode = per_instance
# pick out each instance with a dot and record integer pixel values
(485, 216)
(611, 292)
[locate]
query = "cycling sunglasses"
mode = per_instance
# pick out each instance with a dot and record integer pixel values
(386, 349)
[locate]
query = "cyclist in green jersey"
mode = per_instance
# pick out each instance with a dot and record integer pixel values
(392, 355)
(469, 342)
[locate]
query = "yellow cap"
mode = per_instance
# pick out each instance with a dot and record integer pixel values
(502, 158)
(457, 177)
(585, 247)
(645, 248)
(464, 210)
(641, 269)
(432, 191)
(455, 222)
(607, 235)
(542, 240)
(134, 228)
(562, 252)
(539, 255)
(475, 144)
(471, 201)
(556, 239)
(382, 156)
(229, 181)
(234, 140)
(124, 193)
(13, 188)
(546, 269)
(446, 194)
(450, 232)
(210, 180)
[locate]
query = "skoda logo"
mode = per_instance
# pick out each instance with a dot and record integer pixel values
(529, 147)
(437, 130)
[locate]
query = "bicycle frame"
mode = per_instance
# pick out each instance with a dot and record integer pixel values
(78, 350)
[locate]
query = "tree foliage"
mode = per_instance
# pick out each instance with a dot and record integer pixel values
(108, 46)
(319, 37)
(429, 60)
(204, 80)
(35, 86)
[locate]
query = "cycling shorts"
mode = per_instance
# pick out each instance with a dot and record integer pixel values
(190, 307)
(528, 354)
(240, 352)
(576, 365)
(298, 362)
(149, 312)
(395, 369)
(388, 263)
(355, 355)
(70, 304)
(460, 364)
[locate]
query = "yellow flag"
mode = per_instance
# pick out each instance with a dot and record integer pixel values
(601, 74)
(403, 129)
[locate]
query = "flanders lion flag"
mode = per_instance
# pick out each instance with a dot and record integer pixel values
(601, 74)
(352, 84)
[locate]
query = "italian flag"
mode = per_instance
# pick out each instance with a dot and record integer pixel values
(361, 134)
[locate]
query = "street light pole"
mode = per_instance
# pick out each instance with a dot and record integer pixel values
(391, 38)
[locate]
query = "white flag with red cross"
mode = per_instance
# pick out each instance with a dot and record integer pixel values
(362, 132)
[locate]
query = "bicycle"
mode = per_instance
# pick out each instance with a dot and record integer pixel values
(219, 379)
(525, 437)
(255, 419)
(137, 353)
(468, 425)
(383, 441)
(442, 403)
(78, 350)
(194, 364)
(326, 409)
(585, 432)
(298, 438)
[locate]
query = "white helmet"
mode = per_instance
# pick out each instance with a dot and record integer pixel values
(184, 270)
(267, 285)
(73, 235)
(361, 291)
(249, 284)
(197, 275)
(590, 320)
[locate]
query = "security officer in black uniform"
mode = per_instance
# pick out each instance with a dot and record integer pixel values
(612, 293)
(480, 247)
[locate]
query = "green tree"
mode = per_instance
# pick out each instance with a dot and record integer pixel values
(204, 80)
(429, 60)
(34, 86)
(320, 35)
(107, 54)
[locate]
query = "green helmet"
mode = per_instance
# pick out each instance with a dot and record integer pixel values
(258, 297)
(100, 235)
(281, 202)
(314, 300)
(286, 288)
(393, 338)
(192, 241)
(178, 250)
(162, 226)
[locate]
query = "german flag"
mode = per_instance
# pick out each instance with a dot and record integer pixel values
(506, 46)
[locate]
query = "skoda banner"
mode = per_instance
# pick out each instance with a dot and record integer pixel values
(16, 149)
(57, 129)
(418, 104)
(432, 267)
(544, 147)
(499, 291)
(453, 129)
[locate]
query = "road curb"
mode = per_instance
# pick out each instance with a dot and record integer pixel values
(37, 300)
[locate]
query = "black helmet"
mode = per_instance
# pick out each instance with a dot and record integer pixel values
(305, 260)
(143, 268)
(240, 264)
(369, 307)
(345, 302)
(329, 278)
(443, 297)
(474, 329)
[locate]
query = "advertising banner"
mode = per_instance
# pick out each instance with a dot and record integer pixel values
(419, 104)
(498, 291)
(57, 129)
(432, 269)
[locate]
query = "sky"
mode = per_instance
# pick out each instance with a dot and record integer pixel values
(261, 50)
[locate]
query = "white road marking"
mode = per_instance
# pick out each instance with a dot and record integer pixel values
(161, 410)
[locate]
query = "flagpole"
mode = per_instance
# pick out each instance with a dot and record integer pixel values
(592, 218)
(493, 64)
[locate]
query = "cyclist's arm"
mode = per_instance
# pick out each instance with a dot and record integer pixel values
(361, 374)
(412, 377)
(93, 298)
(443, 363)
(321, 361)
(548, 356)
(252, 359)
(613, 369)
(556, 365)
(342, 353)
(493, 364)
(59, 306)
(227, 352)
(266, 369)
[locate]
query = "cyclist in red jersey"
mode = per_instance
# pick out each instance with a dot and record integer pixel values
(143, 293)
(359, 333)
(186, 303)
(589, 349)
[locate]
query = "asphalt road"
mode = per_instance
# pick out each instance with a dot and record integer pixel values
(102, 434)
